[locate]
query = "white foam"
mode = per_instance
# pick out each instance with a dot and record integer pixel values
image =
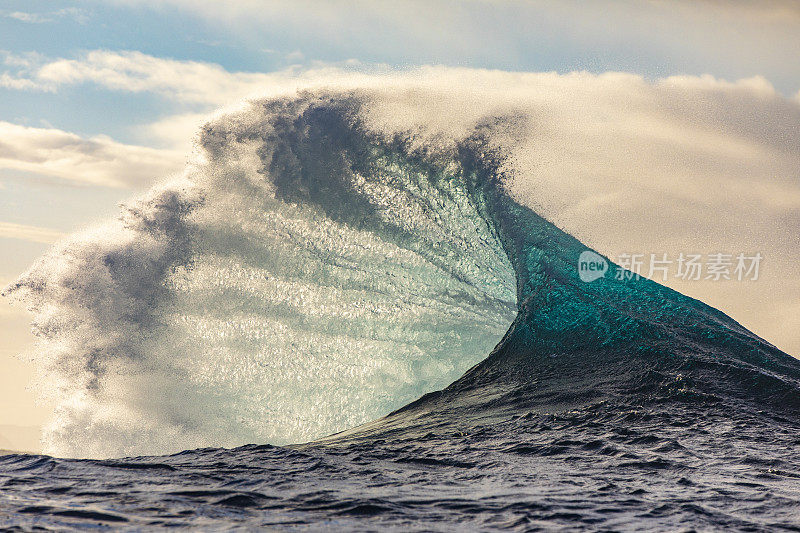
(215, 314)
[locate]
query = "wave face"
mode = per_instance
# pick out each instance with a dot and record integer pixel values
(309, 273)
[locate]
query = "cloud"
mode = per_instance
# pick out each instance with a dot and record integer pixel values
(191, 83)
(188, 82)
(732, 39)
(23, 232)
(21, 84)
(175, 131)
(95, 160)
(33, 18)
(79, 15)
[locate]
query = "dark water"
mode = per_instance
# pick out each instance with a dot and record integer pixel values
(671, 469)
(612, 405)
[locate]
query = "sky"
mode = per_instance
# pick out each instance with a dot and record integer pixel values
(101, 99)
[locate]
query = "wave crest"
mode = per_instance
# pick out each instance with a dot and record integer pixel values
(303, 277)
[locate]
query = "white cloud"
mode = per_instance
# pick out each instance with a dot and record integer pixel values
(189, 82)
(193, 83)
(21, 84)
(730, 38)
(33, 18)
(95, 160)
(186, 81)
(176, 132)
(24, 232)
(79, 15)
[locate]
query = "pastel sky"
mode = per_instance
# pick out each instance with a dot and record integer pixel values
(100, 99)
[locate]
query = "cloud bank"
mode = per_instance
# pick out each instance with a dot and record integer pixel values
(187, 83)
(80, 160)
(732, 39)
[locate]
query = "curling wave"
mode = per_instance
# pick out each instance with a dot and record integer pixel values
(303, 278)
(309, 274)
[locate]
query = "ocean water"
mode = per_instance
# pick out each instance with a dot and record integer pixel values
(415, 345)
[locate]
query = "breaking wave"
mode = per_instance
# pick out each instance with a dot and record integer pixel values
(303, 277)
(310, 273)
